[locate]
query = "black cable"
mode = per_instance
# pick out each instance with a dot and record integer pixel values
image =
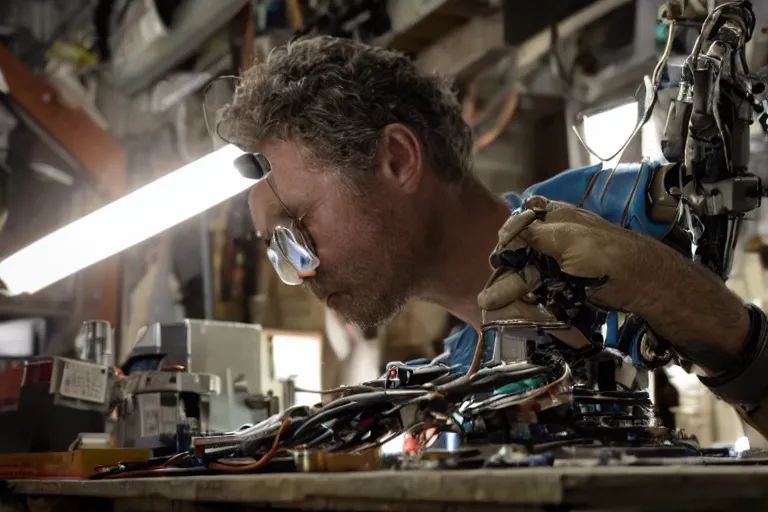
(320, 439)
(375, 396)
(323, 416)
(101, 21)
(340, 389)
(444, 379)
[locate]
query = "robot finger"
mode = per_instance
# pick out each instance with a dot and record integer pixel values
(571, 337)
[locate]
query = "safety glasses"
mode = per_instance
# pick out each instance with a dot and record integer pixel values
(289, 248)
(291, 254)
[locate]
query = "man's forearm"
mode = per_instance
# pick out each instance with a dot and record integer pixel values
(694, 311)
(710, 325)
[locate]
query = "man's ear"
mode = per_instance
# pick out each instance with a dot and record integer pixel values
(401, 156)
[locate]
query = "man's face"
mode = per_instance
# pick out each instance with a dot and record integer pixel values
(366, 242)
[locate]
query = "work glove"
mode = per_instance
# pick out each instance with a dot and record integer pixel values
(608, 258)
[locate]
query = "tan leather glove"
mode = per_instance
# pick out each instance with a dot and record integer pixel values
(572, 237)
(682, 302)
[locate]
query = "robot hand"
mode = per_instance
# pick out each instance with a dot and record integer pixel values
(559, 268)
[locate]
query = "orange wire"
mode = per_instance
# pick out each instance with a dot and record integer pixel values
(164, 468)
(262, 461)
(505, 117)
(477, 357)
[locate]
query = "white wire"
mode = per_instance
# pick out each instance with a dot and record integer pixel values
(651, 90)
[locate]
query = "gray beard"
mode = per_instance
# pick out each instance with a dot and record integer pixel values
(379, 313)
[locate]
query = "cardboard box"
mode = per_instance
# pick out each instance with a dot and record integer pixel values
(77, 465)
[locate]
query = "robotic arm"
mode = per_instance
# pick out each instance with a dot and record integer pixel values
(707, 135)
(696, 199)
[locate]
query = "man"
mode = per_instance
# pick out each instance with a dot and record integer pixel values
(372, 169)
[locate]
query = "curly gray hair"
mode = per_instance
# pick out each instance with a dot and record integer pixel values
(335, 96)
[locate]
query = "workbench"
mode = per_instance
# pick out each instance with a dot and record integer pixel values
(542, 489)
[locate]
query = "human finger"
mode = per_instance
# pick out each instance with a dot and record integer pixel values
(548, 239)
(514, 225)
(537, 203)
(559, 211)
(509, 287)
(545, 204)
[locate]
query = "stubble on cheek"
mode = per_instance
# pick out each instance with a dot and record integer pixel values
(367, 269)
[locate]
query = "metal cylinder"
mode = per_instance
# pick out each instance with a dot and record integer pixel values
(289, 393)
(96, 342)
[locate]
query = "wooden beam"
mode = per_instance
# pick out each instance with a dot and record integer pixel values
(94, 148)
(470, 48)
(466, 50)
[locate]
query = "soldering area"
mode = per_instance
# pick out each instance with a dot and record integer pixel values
(154, 354)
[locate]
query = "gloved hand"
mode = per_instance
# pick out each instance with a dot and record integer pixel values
(678, 299)
(583, 244)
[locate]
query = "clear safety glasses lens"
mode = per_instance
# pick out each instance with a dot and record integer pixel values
(289, 250)
(291, 255)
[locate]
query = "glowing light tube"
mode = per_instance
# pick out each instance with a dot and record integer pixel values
(131, 219)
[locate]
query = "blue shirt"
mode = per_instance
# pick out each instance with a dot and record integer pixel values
(617, 195)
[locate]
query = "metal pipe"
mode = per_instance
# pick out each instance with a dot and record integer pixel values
(196, 22)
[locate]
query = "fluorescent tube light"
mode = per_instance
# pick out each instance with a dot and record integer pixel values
(131, 219)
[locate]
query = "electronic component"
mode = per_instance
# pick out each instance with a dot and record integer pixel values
(46, 403)
(162, 410)
(239, 354)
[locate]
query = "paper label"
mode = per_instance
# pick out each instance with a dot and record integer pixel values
(84, 381)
